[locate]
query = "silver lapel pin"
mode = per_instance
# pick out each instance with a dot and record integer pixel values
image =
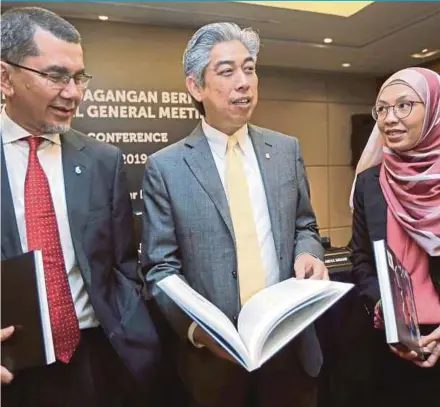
(268, 156)
(78, 169)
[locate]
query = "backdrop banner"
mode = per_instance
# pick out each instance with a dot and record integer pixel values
(140, 122)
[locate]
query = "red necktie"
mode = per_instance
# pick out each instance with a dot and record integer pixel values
(42, 234)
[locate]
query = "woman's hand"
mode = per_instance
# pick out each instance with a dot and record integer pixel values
(431, 347)
(431, 343)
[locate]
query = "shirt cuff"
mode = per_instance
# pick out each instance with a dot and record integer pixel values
(311, 254)
(191, 329)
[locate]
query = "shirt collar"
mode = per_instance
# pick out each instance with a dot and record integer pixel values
(12, 132)
(218, 141)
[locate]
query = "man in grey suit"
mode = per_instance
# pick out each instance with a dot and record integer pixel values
(66, 194)
(192, 229)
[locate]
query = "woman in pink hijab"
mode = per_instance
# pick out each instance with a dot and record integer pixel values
(397, 198)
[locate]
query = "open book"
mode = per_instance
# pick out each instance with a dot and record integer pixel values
(24, 305)
(268, 320)
(398, 305)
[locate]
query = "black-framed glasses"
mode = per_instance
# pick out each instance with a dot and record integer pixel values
(57, 80)
(401, 110)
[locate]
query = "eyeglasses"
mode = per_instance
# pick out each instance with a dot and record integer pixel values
(401, 110)
(57, 80)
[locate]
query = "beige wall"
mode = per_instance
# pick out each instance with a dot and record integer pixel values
(315, 107)
(434, 65)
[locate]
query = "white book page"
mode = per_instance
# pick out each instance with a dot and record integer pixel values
(44, 308)
(386, 294)
(298, 320)
(243, 360)
(205, 313)
(263, 310)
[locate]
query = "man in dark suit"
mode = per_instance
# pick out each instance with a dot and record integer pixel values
(66, 194)
(228, 210)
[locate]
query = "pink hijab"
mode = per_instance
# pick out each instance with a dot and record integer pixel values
(410, 183)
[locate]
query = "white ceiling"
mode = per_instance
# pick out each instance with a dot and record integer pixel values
(378, 39)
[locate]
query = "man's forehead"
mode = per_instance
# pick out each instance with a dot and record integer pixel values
(230, 50)
(43, 37)
(55, 51)
(48, 43)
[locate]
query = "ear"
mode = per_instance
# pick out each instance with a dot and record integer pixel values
(194, 88)
(5, 79)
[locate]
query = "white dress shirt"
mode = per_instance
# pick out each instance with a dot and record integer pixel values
(218, 143)
(49, 155)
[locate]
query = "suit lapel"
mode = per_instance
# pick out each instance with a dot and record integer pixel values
(201, 162)
(10, 243)
(76, 169)
(270, 173)
(77, 182)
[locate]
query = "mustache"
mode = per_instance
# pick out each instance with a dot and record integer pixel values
(66, 107)
(65, 104)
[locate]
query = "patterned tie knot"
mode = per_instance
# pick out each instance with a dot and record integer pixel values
(34, 142)
(232, 142)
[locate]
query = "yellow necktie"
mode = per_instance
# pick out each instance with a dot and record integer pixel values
(250, 268)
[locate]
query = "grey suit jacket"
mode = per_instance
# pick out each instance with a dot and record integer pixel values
(188, 228)
(101, 225)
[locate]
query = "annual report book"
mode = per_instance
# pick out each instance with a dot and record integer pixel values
(398, 305)
(24, 305)
(268, 320)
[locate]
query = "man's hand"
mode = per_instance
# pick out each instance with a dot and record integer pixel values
(6, 375)
(202, 338)
(307, 266)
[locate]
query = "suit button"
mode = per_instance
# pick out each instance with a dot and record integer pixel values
(235, 319)
(234, 274)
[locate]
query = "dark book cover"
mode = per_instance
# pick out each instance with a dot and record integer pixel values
(24, 305)
(398, 305)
